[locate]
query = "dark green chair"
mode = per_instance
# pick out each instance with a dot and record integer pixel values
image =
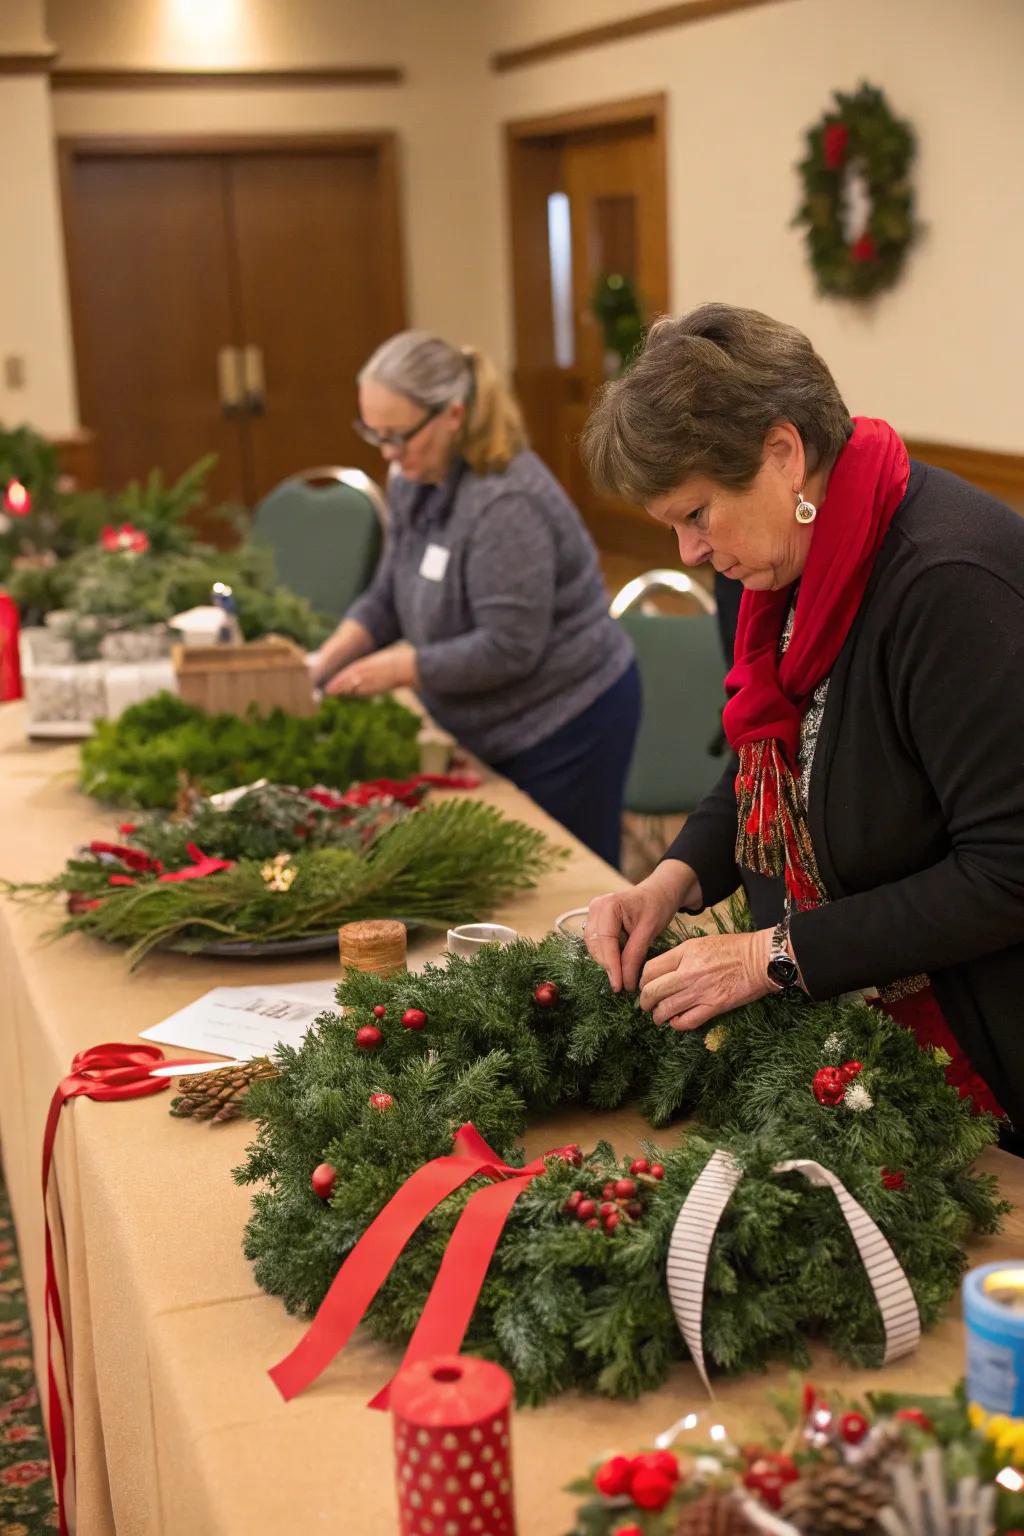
(682, 667)
(326, 528)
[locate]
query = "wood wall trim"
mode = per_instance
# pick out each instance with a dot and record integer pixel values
(104, 79)
(618, 31)
(27, 63)
(104, 146)
(605, 114)
(1001, 474)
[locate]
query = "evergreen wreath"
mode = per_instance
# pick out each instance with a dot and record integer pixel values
(859, 135)
(145, 756)
(575, 1295)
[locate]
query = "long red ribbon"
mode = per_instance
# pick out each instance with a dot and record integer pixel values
(111, 1071)
(453, 1296)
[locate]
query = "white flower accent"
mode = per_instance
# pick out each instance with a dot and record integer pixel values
(832, 1045)
(858, 1098)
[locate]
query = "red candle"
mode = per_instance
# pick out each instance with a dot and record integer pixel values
(453, 1448)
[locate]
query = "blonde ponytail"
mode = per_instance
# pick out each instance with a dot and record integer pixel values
(494, 432)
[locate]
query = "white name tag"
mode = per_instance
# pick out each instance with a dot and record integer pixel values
(434, 562)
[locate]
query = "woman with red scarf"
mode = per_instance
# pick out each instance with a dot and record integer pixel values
(874, 811)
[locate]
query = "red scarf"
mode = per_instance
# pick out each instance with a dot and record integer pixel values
(770, 694)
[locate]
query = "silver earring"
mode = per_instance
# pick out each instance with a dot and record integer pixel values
(806, 511)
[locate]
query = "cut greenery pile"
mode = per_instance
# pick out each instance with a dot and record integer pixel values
(570, 1305)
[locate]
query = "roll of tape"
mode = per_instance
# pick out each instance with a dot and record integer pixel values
(993, 1298)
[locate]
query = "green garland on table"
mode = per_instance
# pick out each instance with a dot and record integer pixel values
(860, 134)
(144, 757)
(438, 866)
(567, 1305)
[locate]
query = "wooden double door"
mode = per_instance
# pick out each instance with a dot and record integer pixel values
(224, 295)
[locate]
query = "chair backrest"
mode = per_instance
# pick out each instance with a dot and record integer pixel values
(641, 588)
(326, 528)
(681, 664)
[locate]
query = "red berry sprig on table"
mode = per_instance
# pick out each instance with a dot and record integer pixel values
(368, 1037)
(414, 1018)
(323, 1180)
(768, 1474)
(649, 1480)
(853, 1427)
(546, 995)
(829, 1086)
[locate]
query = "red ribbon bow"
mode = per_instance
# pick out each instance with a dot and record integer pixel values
(405, 791)
(453, 1296)
(201, 866)
(112, 1071)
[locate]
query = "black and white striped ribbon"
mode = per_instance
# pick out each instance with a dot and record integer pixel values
(697, 1223)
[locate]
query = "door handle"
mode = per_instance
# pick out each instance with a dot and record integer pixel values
(253, 380)
(229, 380)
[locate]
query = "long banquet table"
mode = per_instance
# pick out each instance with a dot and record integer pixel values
(178, 1428)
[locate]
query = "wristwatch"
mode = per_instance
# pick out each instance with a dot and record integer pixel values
(783, 972)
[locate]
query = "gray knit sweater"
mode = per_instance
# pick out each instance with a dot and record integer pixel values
(495, 581)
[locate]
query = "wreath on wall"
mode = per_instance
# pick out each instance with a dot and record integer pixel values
(858, 203)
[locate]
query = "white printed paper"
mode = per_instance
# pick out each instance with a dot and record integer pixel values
(243, 1022)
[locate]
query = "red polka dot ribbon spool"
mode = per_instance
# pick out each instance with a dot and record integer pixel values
(453, 1448)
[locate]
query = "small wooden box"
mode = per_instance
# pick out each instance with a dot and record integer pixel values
(226, 679)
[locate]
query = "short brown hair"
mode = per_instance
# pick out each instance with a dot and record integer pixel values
(700, 398)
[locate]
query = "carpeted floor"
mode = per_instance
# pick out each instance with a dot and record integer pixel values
(26, 1496)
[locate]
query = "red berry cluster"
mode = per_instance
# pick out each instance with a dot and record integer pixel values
(830, 1083)
(649, 1480)
(619, 1198)
(767, 1474)
(369, 1036)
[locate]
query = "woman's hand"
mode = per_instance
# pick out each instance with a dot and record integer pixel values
(641, 912)
(701, 978)
(379, 673)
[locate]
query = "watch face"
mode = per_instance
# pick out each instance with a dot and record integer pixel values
(783, 971)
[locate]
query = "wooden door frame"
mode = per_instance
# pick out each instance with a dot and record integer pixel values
(531, 147)
(73, 148)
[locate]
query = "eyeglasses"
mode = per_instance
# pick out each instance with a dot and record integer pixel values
(394, 439)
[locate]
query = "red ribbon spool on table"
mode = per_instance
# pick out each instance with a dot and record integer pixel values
(453, 1447)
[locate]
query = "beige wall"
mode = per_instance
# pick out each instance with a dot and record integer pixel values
(938, 355)
(33, 308)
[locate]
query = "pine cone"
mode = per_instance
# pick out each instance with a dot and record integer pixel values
(829, 1500)
(713, 1514)
(219, 1095)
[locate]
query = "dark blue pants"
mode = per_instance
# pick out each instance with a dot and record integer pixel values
(578, 774)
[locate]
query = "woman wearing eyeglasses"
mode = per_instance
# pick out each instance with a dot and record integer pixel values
(488, 599)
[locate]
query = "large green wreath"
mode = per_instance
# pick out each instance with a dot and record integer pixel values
(568, 1305)
(859, 135)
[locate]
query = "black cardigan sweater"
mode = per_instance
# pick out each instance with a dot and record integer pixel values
(916, 795)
